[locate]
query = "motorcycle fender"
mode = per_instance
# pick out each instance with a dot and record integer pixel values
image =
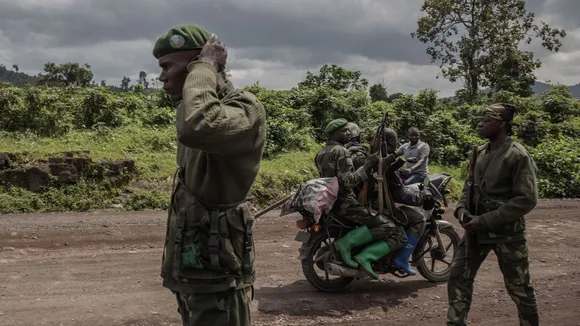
(307, 240)
(303, 237)
(442, 224)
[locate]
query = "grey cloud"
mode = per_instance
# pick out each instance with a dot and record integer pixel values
(330, 30)
(273, 41)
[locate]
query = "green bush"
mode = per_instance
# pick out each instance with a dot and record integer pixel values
(140, 125)
(558, 167)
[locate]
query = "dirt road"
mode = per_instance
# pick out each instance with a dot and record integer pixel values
(103, 269)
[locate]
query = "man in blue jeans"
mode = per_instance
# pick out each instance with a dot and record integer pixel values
(416, 156)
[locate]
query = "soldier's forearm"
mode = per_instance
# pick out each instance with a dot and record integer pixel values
(207, 123)
(352, 179)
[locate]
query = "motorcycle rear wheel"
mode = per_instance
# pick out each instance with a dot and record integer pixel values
(309, 267)
(423, 268)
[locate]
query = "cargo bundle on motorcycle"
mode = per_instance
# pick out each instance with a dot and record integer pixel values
(314, 198)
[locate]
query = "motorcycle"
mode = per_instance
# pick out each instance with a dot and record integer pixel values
(318, 253)
(439, 181)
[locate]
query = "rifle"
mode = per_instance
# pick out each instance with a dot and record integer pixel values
(379, 145)
(272, 206)
(469, 236)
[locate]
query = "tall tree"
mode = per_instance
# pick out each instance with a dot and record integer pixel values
(378, 92)
(125, 83)
(335, 77)
(143, 79)
(478, 41)
(66, 74)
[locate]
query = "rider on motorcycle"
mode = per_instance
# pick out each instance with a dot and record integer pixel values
(357, 151)
(402, 195)
(382, 235)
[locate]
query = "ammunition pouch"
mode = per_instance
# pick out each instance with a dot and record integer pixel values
(212, 241)
(511, 231)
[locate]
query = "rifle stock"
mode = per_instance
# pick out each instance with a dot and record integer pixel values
(363, 194)
(470, 236)
(379, 145)
(380, 182)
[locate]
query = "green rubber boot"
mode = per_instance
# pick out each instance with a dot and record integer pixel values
(356, 237)
(373, 252)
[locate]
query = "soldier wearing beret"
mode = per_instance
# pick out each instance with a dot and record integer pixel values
(358, 151)
(505, 191)
(380, 233)
(208, 258)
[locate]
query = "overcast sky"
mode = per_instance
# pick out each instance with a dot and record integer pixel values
(269, 41)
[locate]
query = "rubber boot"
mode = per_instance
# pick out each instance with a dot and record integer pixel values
(530, 319)
(372, 252)
(401, 261)
(356, 237)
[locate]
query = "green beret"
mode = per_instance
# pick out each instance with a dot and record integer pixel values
(187, 37)
(334, 125)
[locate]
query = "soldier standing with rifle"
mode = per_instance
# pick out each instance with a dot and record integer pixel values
(504, 191)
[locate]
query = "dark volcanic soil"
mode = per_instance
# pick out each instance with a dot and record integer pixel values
(103, 269)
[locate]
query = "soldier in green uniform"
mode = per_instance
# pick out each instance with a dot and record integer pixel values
(505, 191)
(208, 259)
(401, 194)
(357, 151)
(382, 235)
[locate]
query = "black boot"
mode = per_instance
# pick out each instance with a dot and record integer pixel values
(530, 320)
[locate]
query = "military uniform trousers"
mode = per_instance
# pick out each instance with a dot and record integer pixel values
(514, 265)
(227, 308)
(380, 227)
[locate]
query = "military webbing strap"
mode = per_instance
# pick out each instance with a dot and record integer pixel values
(177, 243)
(214, 211)
(247, 251)
(213, 241)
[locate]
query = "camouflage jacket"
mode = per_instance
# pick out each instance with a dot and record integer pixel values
(506, 190)
(333, 160)
(400, 193)
(358, 155)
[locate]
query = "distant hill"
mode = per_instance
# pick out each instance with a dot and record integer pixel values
(18, 79)
(540, 88)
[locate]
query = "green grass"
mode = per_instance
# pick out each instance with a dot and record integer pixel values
(152, 149)
(154, 153)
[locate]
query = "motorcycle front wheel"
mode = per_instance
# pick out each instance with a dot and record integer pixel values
(433, 255)
(313, 264)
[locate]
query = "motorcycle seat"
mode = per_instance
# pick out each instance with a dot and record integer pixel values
(437, 179)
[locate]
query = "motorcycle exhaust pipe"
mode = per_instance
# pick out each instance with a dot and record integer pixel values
(338, 270)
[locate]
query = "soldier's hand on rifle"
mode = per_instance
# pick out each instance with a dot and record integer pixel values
(215, 53)
(428, 201)
(459, 214)
(371, 161)
(476, 224)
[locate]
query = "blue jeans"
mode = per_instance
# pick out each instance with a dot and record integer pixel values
(413, 177)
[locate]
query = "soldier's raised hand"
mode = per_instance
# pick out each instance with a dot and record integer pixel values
(215, 53)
